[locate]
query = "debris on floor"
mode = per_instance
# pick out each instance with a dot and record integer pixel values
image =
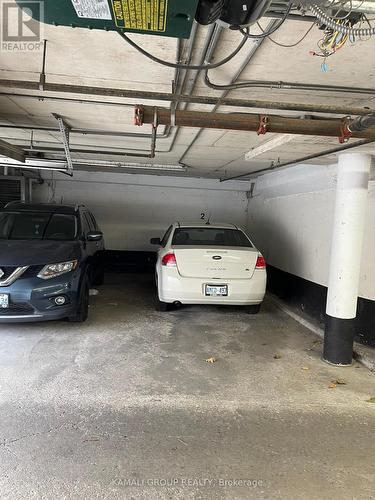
(314, 345)
(211, 360)
(371, 400)
(93, 291)
(277, 356)
(339, 381)
(336, 382)
(182, 441)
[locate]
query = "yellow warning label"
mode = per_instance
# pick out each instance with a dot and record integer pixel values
(144, 15)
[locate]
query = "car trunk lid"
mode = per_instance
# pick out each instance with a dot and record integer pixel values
(216, 263)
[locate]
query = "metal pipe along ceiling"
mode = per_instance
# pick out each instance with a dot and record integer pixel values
(252, 122)
(299, 160)
(210, 43)
(211, 35)
(166, 133)
(80, 131)
(254, 48)
(188, 98)
(177, 88)
(199, 99)
(276, 85)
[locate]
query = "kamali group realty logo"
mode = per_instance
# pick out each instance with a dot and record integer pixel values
(20, 29)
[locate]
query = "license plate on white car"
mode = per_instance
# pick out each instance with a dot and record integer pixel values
(4, 301)
(216, 290)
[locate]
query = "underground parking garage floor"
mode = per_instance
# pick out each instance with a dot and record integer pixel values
(125, 406)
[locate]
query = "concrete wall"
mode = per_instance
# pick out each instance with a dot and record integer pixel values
(289, 216)
(290, 219)
(131, 209)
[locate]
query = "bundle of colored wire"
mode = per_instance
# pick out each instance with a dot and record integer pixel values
(333, 40)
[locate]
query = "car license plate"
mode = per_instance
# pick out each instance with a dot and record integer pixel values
(4, 301)
(216, 290)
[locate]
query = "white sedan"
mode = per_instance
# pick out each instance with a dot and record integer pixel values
(205, 263)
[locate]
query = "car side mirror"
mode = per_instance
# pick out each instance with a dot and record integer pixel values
(94, 236)
(155, 241)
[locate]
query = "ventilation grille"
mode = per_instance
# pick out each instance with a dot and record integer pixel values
(17, 309)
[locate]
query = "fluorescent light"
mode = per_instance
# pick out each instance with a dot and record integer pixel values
(131, 165)
(38, 167)
(277, 141)
(31, 162)
(62, 166)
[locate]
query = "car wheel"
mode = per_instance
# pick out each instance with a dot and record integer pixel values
(253, 309)
(162, 306)
(98, 278)
(83, 304)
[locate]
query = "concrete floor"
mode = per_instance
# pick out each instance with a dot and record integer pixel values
(128, 398)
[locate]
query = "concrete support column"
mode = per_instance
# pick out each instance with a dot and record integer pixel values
(346, 251)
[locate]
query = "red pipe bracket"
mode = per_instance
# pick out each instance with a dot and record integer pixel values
(138, 116)
(263, 125)
(345, 130)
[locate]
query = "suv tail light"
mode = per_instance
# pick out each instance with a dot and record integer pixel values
(169, 260)
(261, 262)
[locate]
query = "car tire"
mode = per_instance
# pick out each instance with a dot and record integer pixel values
(83, 304)
(98, 278)
(254, 309)
(162, 306)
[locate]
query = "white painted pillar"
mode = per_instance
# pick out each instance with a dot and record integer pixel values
(346, 252)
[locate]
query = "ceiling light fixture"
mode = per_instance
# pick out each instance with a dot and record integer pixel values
(276, 142)
(131, 165)
(45, 164)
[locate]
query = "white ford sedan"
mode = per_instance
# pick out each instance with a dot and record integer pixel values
(209, 264)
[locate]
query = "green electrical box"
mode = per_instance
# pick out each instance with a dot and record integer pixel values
(172, 18)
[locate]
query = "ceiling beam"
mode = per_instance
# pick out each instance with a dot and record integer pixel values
(10, 151)
(196, 99)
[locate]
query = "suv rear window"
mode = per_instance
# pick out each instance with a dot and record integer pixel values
(37, 226)
(210, 236)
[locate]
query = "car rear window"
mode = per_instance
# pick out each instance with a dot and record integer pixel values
(37, 226)
(210, 236)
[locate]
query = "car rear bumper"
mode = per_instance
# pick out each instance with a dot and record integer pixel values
(174, 288)
(32, 299)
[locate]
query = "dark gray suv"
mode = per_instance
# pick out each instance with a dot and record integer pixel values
(49, 256)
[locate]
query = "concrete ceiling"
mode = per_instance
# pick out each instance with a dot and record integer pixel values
(101, 59)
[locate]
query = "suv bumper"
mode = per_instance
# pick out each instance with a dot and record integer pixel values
(32, 299)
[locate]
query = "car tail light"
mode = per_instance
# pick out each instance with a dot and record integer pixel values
(261, 262)
(169, 260)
